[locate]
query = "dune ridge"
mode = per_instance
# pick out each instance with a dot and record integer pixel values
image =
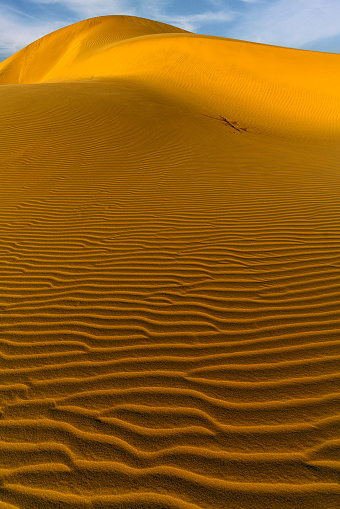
(169, 272)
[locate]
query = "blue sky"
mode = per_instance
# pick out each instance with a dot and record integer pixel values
(304, 24)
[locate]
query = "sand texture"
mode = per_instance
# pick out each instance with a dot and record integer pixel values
(169, 272)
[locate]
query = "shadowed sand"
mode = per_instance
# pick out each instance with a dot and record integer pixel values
(169, 272)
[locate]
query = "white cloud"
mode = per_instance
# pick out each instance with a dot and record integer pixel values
(289, 22)
(19, 28)
(21, 13)
(16, 32)
(90, 8)
(295, 23)
(194, 21)
(153, 9)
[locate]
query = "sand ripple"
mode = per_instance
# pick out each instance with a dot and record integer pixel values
(169, 290)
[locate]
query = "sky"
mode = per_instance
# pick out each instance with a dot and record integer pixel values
(303, 24)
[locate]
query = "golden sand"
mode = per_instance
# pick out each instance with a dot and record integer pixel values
(169, 272)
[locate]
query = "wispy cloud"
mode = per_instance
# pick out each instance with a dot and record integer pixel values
(17, 29)
(21, 13)
(294, 23)
(20, 27)
(193, 22)
(91, 8)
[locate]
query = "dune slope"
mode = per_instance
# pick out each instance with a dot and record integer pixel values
(169, 272)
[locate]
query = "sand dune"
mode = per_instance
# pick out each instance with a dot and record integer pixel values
(169, 272)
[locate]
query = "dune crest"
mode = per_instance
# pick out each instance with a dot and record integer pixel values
(253, 83)
(66, 46)
(169, 272)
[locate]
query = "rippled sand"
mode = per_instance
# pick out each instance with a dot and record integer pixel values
(169, 272)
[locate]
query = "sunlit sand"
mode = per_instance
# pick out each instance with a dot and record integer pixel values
(169, 272)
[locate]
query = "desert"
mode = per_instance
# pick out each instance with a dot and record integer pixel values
(169, 272)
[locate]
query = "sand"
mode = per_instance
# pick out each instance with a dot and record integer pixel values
(169, 272)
